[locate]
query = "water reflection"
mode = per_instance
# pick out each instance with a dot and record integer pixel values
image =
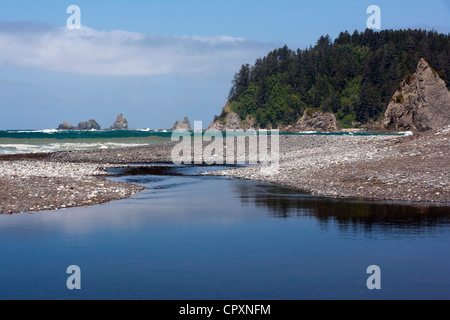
(194, 237)
(281, 202)
(284, 203)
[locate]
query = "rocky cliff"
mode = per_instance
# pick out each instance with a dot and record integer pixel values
(421, 103)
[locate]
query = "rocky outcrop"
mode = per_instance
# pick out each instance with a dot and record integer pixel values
(229, 120)
(317, 121)
(65, 126)
(421, 103)
(185, 125)
(89, 125)
(120, 124)
(232, 121)
(82, 126)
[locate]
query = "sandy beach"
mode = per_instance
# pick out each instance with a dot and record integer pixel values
(398, 168)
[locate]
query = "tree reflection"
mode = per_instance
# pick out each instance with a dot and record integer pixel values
(286, 203)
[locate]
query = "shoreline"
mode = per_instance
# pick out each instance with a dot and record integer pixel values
(410, 169)
(36, 185)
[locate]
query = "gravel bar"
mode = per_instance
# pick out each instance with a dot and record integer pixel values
(396, 168)
(399, 168)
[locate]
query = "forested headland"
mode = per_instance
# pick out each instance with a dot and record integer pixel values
(354, 77)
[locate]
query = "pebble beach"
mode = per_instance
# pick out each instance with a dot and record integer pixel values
(36, 185)
(374, 167)
(413, 168)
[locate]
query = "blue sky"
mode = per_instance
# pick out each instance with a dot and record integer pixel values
(157, 61)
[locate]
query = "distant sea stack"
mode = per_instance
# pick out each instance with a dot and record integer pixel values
(120, 124)
(421, 103)
(185, 125)
(66, 126)
(89, 125)
(82, 126)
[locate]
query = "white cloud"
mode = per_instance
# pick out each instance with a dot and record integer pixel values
(93, 52)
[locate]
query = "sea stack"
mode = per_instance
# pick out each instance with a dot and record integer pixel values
(185, 125)
(421, 103)
(120, 124)
(89, 125)
(65, 126)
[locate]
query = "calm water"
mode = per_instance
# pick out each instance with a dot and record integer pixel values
(190, 237)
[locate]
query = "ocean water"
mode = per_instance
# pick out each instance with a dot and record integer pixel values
(37, 141)
(197, 237)
(41, 141)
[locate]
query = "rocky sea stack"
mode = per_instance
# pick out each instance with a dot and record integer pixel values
(89, 125)
(185, 125)
(82, 126)
(120, 124)
(66, 126)
(421, 103)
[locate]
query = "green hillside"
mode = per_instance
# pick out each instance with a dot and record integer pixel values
(354, 77)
